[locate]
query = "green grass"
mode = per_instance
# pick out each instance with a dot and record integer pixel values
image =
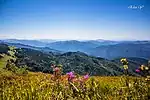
(3, 61)
(40, 86)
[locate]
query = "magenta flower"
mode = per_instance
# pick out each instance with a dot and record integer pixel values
(86, 77)
(71, 76)
(137, 70)
(56, 69)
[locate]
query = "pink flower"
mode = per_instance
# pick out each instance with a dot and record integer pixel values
(71, 76)
(86, 77)
(137, 70)
(56, 69)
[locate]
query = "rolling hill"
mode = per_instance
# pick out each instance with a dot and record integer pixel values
(71, 61)
(72, 45)
(42, 49)
(99, 48)
(35, 43)
(79, 62)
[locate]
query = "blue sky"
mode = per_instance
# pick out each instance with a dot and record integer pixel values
(75, 19)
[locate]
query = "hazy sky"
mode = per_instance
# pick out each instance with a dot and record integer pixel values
(75, 19)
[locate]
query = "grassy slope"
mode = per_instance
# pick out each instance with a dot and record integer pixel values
(3, 61)
(39, 86)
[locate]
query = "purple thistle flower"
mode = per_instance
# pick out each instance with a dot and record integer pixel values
(70, 76)
(86, 77)
(137, 70)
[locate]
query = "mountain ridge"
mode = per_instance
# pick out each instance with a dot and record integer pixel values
(100, 48)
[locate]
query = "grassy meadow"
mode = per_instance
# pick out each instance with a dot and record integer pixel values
(20, 84)
(40, 86)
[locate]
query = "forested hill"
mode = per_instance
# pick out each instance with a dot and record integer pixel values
(71, 61)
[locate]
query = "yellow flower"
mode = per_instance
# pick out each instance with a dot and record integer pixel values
(142, 67)
(125, 67)
(125, 59)
(146, 68)
(121, 60)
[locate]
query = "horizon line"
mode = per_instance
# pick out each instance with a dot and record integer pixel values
(77, 39)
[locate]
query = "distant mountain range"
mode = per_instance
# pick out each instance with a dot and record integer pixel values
(35, 43)
(99, 48)
(132, 49)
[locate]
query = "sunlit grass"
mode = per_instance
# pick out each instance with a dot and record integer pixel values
(15, 85)
(3, 61)
(40, 86)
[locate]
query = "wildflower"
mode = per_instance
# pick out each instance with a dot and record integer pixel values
(124, 61)
(121, 60)
(57, 72)
(56, 69)
(137, 70)
(71, 76)
(142, 67)
(146, 68)
(125, 67)
(86, 77)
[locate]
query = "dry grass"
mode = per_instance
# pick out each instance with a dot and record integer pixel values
(40, 86)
